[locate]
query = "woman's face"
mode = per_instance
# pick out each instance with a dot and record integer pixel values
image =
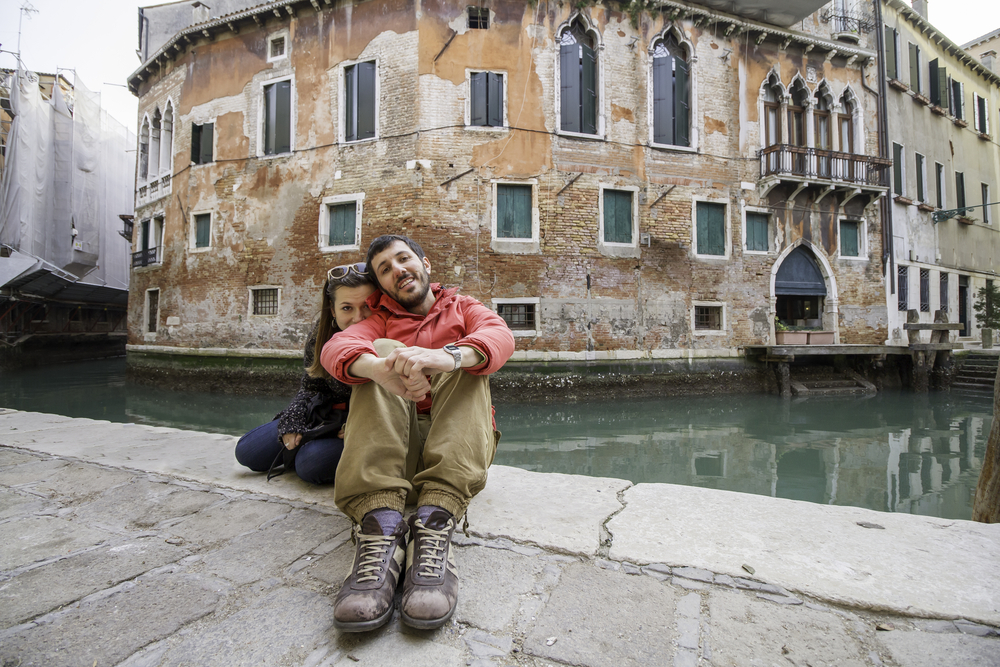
(349, 306)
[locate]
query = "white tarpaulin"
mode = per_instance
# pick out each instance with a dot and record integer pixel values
(69, 173)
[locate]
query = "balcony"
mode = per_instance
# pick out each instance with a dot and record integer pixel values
(128, 225)
(148, 257)
(848, 24)
(847, 173)
(156, 188)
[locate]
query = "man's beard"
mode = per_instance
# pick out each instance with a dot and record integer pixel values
(415, 298)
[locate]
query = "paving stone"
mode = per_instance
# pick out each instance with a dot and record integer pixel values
(689, 584)
(43, 589)
(659, 576)
(143, 504)
(224, 522)
(394, 648)
(29, 473)
(76, 482)
(725, 580)
(332, 568)
(283, 626)
(108, 630)
(970, 628)
(780, 599)
(491, 582)
(935, 626)
(629, 568)
(689, 632)
(12, 457)
(15, 504)
(607, 633)
(920, 649)
(268, 551)
(24, 541)
(614, 566)
(684, 658)
(747, 631)
(694, 573)
(689, 605)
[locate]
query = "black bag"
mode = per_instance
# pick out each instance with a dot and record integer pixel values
(322, 420)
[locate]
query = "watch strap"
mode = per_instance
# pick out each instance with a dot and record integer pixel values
(456, 353)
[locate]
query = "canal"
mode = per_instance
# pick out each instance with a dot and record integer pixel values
(896, 452)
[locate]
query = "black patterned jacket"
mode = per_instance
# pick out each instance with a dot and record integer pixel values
(293, 418)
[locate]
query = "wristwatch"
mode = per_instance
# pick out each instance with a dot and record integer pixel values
(455, 352)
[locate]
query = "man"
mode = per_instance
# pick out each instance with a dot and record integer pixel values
(420, 424)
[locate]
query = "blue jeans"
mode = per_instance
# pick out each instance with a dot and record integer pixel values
(316, 461)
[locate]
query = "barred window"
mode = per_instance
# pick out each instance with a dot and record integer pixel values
(518, 316)
(152, 309)
(902, 287)
(479, 18)
(925, 291)
(944, 292)
(265, 301)
(708, 318)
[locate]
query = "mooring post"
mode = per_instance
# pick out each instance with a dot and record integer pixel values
(920, 371)
(783, 373)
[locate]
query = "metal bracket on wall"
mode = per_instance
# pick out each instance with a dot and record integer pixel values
(571, 182)
(455, 178)
(669, 190)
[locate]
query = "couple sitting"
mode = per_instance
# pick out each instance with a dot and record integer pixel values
(420, 425)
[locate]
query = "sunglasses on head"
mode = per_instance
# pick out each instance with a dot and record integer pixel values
(338, 272)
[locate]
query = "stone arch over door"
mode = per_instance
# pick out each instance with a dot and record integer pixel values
(803, 273)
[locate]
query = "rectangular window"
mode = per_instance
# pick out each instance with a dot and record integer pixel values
(921, 178)
(359, 101)
(343, 224)
(915, 67)
(202, 230)
(708, 318)
(518, 316)
(981, 115)
(757, 235)
(957, 94)
(897, 169)
(943, 295)
(960, 190)
(938, 83)
(985, 189)
(902, 287)
(939, 179)
(618, 216)
(265, 300)
(277, 48)
(925, 291)
(577, 88)
(278, 118)
(201, 143)
(671, 105)
(891, 53)
(152, 309)
(486, 99)
(479, 18)
(514, 214)
(711, 229)
(850, 235)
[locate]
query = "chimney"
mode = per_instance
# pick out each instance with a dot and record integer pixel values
(989, 59)
(200, 12)
(920, 7)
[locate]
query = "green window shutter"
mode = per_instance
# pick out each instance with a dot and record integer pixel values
(920, 176)
(514, 212)
(477, 103)
(343, 218)
(366, 100)
(959, 190)
(711, 226)
(207, 132)
(202, 229)
(494, 100)
(915, 67)
(196, 144)
(283, 117)
(757, 232)
(350, 103)
(589, 89)
(145, 235)
(897, 169)
(942, 83)
(890, 53)
(663, 111)
(569, 87)
(934, 82)
(848, 239)
(617, 216)
(269, 114)
(681, 103)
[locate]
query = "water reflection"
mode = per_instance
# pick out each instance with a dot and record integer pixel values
(894, 452)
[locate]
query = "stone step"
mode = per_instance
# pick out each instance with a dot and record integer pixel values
(829, 384)
(969, 386)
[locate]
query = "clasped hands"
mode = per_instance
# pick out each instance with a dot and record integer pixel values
(406, 371)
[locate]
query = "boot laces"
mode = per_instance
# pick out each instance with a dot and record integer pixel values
(431, 548)
(373, 553)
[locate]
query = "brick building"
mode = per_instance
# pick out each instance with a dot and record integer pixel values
(649, 180)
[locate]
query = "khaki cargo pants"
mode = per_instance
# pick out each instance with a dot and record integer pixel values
(392, 454)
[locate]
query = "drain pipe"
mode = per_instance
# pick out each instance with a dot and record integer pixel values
(888, 250)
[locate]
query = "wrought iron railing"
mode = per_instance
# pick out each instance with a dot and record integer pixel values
(849, 20)
(805, 162)
(145, 257)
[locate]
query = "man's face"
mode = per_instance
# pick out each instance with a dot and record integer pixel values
(402, 275)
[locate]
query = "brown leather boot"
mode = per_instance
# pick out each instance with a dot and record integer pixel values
(430, 590)
(365, 599)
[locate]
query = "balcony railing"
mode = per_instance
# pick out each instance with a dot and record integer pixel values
(801, 162)
(145, 257)
(852, 20)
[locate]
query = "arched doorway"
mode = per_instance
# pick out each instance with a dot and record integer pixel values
(800, 290)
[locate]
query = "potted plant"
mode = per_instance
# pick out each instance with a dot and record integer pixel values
(784, 335)
(987, 307)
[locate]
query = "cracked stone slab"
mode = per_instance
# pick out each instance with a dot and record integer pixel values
(491, 583)
(385, 647)
(554, 511)
(590, 620)
(37, 538)
(226, 521)
(919, 649)
(143, 504)
(817, 550)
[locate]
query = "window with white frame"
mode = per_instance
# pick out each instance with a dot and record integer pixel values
(617, 216)
(956, 98)
(264, 300)
(276, 127)
(360, 101)
(898, 179)
(852, 239)
(891, 53)
(710, 229)
(340, 222)
(515, 216)
(487, 100)
(981, 114)
(915, 67)
(478, 18)
(167, 140)
(671, 92)
(151, 320)
(921, 173)
(202, 141)
(277, 46)
(200, 237)
(756, 231)
(579, 98)
(521, 315)
(940, 184)
(708, 317)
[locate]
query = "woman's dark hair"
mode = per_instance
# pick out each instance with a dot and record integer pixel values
(327, 323)
(383, 242)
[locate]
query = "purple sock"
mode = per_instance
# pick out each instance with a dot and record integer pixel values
(387, 519)
(424, 512)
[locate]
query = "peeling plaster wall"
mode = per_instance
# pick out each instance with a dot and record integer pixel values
(592, 299)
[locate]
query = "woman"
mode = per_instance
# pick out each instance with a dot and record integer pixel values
(320, 397)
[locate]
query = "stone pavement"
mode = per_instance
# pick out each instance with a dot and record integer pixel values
(143, 546)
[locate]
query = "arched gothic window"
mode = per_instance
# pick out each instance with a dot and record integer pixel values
(144, 150)
(846, 122)
(772, 112)
(671, 93)
(797, 114)
(154, 143)
(577, 80)
(166, 137)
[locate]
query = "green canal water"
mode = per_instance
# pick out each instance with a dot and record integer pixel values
(896, 452)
